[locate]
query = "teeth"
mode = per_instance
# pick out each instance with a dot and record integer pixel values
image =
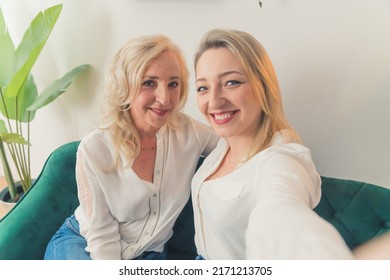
(221, 117)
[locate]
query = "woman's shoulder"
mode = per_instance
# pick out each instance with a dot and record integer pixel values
(96, 140)
(285, 156)
(286, 144)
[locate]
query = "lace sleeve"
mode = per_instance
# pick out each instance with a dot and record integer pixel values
(97, 225)
(85, 192)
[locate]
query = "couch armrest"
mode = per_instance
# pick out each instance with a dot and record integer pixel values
(28, 227)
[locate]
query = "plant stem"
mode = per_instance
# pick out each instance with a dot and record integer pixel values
(7, 173)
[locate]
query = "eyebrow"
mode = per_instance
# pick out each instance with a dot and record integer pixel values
(219, 76)
(157, 78)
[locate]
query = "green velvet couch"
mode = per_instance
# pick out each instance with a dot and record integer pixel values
(358, 210)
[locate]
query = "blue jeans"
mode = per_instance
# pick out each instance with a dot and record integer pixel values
(68, 244)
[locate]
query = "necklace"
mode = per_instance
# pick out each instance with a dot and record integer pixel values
(148, 145)
(230, 160)
(148, 148)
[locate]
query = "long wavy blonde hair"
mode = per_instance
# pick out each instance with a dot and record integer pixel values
(261, 76)
(123, 82)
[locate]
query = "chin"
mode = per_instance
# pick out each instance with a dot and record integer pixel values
(221, 134)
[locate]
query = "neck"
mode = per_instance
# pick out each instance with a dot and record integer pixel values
(148, 142)
(238, 148)
(233, 159)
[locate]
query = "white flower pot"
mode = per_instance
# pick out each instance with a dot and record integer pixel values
(5, 207)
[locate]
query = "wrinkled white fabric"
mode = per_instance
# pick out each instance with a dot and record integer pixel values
(120, 215)
(263, 210)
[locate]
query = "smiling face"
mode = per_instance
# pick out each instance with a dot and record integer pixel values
(158, 95)
(225, 96)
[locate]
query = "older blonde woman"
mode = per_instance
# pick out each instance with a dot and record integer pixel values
(134, 171)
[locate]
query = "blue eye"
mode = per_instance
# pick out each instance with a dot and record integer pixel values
(148, 83)
(232, 83)
(174, 84)
(201, 89)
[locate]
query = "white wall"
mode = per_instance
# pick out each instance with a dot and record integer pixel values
(332, 58)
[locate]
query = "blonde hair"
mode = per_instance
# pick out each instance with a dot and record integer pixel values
(123, 82)
(261, 76)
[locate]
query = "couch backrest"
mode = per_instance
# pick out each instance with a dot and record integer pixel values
(358, 210)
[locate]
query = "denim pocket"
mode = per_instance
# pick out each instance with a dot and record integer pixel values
(73, 224)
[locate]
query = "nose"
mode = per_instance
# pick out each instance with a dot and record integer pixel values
(216, 99)
(162, 95)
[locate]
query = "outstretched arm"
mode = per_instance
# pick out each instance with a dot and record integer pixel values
(375, 249)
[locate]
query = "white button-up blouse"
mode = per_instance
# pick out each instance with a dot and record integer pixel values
(122, 216)
(263, 210)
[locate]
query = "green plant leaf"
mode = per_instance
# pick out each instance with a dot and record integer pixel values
(31, 46)
(7, 50)
(13, 138)
(15, 108)
(56, 88)
(3, 128)
(19, 97)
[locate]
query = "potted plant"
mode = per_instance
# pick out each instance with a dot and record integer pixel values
(19, 99)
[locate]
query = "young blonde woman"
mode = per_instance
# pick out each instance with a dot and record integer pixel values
(254, 194)
(134, 171)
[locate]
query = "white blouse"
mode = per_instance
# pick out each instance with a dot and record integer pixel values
(120, 215)
(263, 210)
